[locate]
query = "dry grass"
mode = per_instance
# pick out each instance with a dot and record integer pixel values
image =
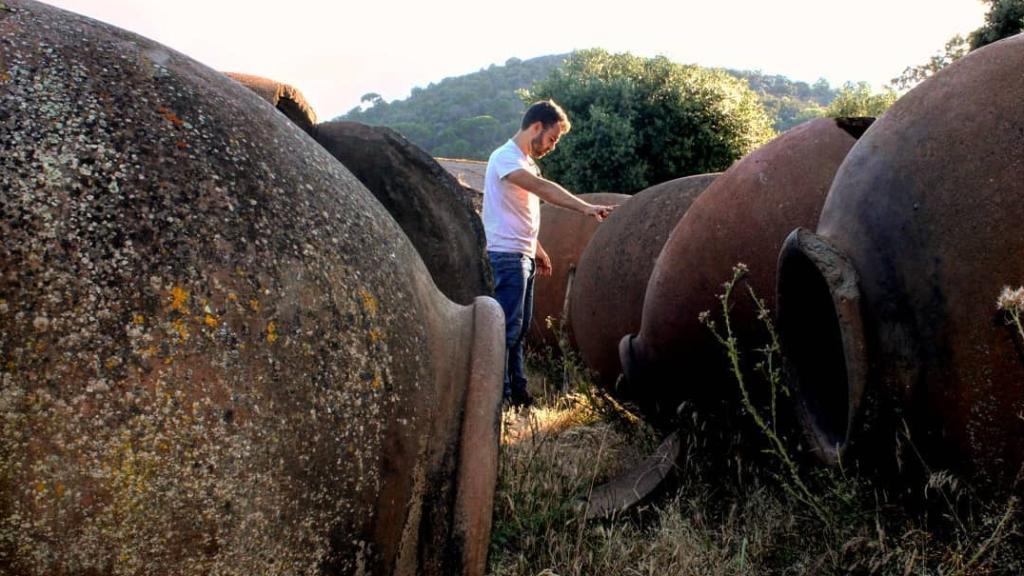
(553, 456)
(723, 516)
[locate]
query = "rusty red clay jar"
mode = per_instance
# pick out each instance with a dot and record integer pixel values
(215, 357)
(743, 217)
(608, 291)
(564, 234)
(284, 97)
(887, 314)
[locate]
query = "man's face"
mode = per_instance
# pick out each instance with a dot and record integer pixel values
(545, 140)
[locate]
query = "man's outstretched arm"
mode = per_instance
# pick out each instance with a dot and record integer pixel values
(553, 193)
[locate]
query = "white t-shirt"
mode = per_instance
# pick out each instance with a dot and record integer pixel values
(511, 214)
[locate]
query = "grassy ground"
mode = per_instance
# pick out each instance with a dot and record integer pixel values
(722, 516)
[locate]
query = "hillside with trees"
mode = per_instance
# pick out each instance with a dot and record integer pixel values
(468, 116)
(464, 116)
(640, 121)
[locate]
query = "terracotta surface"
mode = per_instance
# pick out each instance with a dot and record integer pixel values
(218, 353)
(564, 235)
(284, 97)
(432, 208)
(743, 217)
(889, 310)
(611, 279)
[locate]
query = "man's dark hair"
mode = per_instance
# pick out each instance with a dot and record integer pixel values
(548, 114)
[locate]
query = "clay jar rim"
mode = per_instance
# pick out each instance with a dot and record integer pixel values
(821, 332)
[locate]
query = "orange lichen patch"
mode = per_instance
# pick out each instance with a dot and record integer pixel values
(210, 321)
(170, 116)
(112, 362)
(138, 319)
(59, 489)
(271, 332)
(255, 305)
(4, 77)
(179, 298)
(232, 297)
(180, 329)
(148, 352)
(369, 302)
(375, 335)
(40, 487)
(377, 381)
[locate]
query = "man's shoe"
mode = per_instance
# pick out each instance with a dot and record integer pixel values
(521, 400)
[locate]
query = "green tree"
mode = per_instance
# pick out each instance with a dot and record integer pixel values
(858, 100)
(1005, 18)
(955, 49)
(640, 121)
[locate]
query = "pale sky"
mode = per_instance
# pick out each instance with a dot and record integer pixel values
(334, 52)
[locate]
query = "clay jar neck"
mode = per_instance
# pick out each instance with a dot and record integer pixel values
(822, 336)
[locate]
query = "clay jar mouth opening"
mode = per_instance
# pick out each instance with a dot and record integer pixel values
(822, 338)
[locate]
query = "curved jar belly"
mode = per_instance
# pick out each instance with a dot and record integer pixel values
(217, 356)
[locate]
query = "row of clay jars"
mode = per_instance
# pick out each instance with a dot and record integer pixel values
(608, 290)
(742, 217)
(887, 313)
(217, 357)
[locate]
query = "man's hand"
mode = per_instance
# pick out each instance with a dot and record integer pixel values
(543, 262)
(598, 211)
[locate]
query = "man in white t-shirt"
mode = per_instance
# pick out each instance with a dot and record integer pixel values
(513, 189)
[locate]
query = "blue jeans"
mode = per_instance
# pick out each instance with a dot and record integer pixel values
(513, 289)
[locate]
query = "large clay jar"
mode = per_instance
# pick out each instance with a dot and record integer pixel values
(608, 291)
(564, 234)
(743, 217)
(429, 204)
(887, 314)
(217, 358)
(284, 97)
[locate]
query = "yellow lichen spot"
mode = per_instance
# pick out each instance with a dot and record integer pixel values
(377, 381)
(40, 487)
(232, 297)
(255, 305)
(58, 489)
(210, 321)
(369, 302)
(112, 362)
(138, 319)
(375, 335)
(271, 332)
(180, 328)
(179, 298)
(148, 352)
